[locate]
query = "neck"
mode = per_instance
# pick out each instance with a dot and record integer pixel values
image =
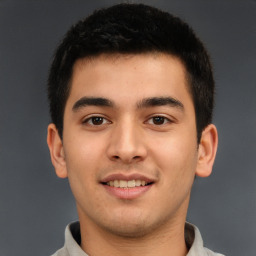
(166, 240)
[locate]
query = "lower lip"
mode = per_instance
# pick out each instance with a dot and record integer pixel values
(127, 193)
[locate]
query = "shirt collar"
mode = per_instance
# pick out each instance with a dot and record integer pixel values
(73, 239)
(194, 240)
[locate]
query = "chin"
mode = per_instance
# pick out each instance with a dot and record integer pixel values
(130, 230)
(133, 227)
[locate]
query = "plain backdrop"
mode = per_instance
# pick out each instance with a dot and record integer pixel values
(35, 206)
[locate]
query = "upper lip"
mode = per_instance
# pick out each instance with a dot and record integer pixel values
(127, 177)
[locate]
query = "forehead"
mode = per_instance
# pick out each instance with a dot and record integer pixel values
(119, 76)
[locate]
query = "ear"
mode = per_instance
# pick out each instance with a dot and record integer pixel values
(207, 151)
(56, 151)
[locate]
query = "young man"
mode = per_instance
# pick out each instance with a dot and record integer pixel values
(131, 97)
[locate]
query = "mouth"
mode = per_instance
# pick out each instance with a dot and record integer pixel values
(127, 184)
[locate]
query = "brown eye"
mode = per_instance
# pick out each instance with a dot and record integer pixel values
(97, 120)
(158, 120)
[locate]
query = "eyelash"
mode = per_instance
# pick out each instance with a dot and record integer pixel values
(162, 118)
(102, 120)
(89, 120)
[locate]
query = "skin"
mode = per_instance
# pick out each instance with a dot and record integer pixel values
(130, 137)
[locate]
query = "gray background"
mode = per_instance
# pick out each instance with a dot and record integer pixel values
(35, 206)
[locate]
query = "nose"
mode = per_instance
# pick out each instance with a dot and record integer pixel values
(127, 143)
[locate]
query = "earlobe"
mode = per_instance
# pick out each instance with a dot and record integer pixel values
(56, 151)
(207, 151)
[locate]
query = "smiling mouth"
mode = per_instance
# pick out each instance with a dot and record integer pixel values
(127, 184)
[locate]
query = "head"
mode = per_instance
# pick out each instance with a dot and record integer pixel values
(131, 95)
(132, 29)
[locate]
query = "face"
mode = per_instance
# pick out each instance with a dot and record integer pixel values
(129, 144)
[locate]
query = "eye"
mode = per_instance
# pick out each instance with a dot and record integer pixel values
(96, 121)
(158, 120)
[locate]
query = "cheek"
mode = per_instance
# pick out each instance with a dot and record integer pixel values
(82, 151)
(176, 157)
(83, 156)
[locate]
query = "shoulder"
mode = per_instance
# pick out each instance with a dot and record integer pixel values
(211, 253)
(72, 241)
(61, 252)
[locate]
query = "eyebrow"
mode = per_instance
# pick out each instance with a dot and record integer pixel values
(92, 101)
(160, 101)
(147, 102)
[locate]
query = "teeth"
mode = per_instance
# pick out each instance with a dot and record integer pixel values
(131, 183)
(137, 183)
(123, 184)
(116, 183)
(127, 184)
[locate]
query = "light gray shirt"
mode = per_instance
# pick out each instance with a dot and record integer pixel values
(73, 239)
